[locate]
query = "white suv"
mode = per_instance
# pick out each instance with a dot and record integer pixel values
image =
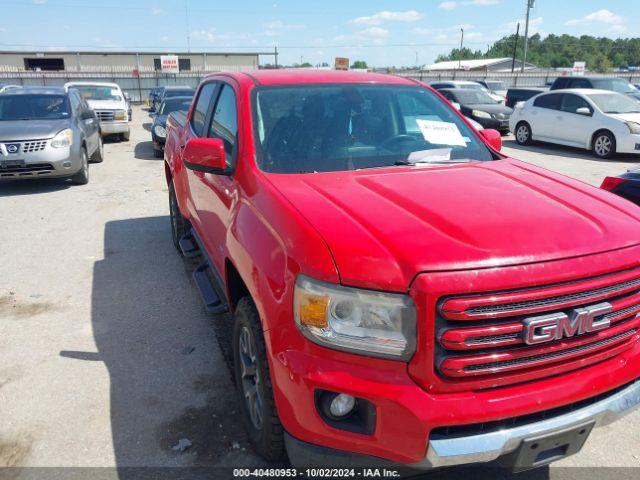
(110, 105)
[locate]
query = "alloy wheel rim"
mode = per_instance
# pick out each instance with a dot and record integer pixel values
(250, 378)
(523, 134)
(603, 145)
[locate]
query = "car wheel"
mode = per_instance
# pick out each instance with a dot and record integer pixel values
(178, 224)
(523, 133)
(82, 176)
(158, 153)
(253, 383)
(604, 145)
(98, 155)
(125, 136)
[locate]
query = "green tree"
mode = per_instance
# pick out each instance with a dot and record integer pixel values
(359, 64)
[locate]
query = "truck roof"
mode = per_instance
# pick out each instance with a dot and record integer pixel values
(303, 76)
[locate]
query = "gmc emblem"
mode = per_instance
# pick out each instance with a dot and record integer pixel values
(557, 326)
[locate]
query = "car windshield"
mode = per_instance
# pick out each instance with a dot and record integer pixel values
(494, 85)
(179, 93)
(472, 86)
(350, 127)
(33, 107)
(175, 104)
(473, 97)
(90, 92)
(615, 103)
(614, 84)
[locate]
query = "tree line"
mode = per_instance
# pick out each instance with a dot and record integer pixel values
(556, 51)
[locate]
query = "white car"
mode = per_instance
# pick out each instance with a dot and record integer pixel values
(602, 121)
(109, 103)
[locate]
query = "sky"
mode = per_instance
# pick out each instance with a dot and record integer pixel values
(381, 32)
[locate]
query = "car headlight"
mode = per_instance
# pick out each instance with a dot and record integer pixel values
(366, 322)
(63, 139)
(480, 114)
(160, 131)
(120, 115)
(634, 127)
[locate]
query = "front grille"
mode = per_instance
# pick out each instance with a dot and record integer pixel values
(483, 336)
(34, 146)
(33, 169)
(106, 115)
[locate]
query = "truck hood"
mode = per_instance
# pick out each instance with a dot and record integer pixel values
(107, 104)
(385, 226)
(31, 129)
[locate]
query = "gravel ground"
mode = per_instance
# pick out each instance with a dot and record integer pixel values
(107, 358)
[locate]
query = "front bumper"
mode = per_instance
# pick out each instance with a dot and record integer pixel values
(500, 125)
(628, 144)
(50, 162)
(112, 128)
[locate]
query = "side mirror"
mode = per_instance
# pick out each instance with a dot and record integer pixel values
(492, 138)
(205, 155)
(584, 111)
(87, 115)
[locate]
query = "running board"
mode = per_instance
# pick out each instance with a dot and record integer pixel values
(208, 292)
(189, 246)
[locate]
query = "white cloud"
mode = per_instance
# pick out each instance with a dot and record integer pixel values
(156, 11)
(450, 5)
(386, 16)
(510, 28)
(374, 35)
(602, 17)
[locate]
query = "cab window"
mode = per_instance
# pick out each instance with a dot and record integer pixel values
(224, 124)
(205, 100)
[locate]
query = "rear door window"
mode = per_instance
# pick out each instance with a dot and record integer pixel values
(551, 101)
(205, 100)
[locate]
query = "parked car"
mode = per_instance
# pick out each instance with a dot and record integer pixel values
(466, 85)
(168, 92)
(602, 121)
(626, 185)
(619, 85)
(400, 290)
(47, 132)
(153, 94)
(497, 87)
(515, 95)
(158, 128)
(110, 105)
(479, 106)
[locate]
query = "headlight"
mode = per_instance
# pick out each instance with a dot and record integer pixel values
(361, 321)
(120, 115)
(160, 131)
(634, 127)
(480, 114)
(63, 139)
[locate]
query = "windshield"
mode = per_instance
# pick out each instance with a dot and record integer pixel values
(473, 97)
(179, 93)
(33, 107)
(614, 84)
(350, 127)
(175, 104)
(90, 92)
(615, 103)
(494, 85)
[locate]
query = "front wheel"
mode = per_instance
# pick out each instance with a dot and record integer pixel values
(125, 136)
(178, 223)
(253, 383)
(82, 176)
(604, 145)
(98, 155)
(523, 133)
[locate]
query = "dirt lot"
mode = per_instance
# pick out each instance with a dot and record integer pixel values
(107, 358)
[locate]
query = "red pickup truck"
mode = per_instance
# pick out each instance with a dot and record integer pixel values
(401, 291)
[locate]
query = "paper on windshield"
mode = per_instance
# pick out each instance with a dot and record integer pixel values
(441, 133)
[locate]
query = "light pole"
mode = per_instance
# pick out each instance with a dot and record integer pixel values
(460, 52)
(530, 5)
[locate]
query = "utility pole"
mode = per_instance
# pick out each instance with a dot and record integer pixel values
(515, 49)
(276, 55)
(460, 53)
(186, 19)
(530, 5)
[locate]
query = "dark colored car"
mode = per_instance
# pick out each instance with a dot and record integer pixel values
(515, 95)
(479, 106)
(626, 185)
(168, 92)
(153, 96)
(619, 85)
(158, 129)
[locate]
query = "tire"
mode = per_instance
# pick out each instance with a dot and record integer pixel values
(158, 153)
(604, 144)
(523, 133)
(82, 176)
(253, 383)
(179, 225)
(125, 136)
(98, 155)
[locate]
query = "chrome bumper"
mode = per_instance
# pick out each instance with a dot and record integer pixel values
(110, 128)
(486, 447)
